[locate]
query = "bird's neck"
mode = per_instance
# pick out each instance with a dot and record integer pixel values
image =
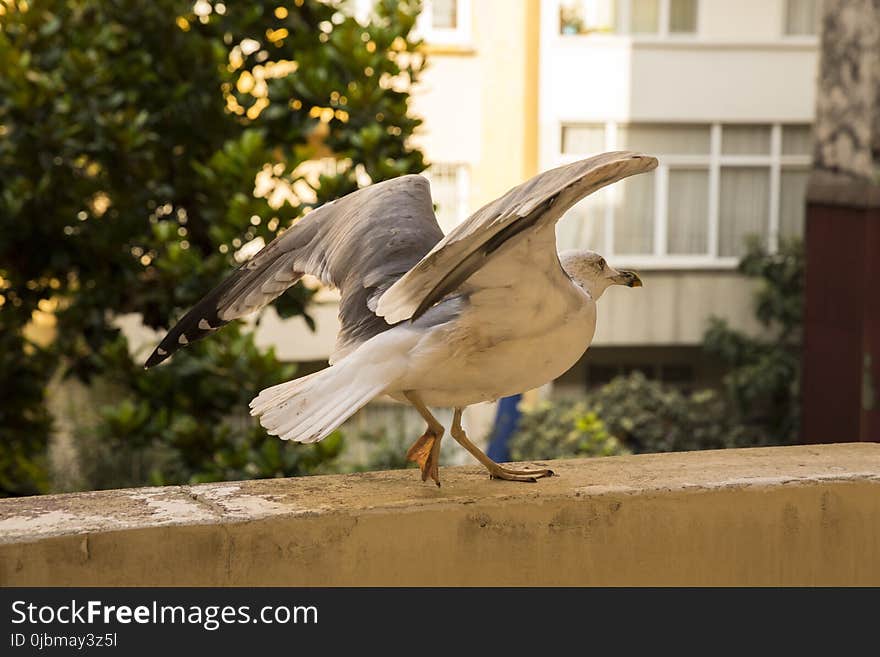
(591, 286)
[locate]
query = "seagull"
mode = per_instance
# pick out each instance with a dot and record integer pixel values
(490, 310)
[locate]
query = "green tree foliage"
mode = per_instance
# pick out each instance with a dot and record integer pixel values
(763, 380)
(131, 134)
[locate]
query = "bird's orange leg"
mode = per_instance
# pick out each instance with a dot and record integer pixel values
(426, 450)
(495, 471)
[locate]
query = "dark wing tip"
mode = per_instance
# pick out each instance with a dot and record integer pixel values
(167, 347)
(193, 326)
(155, 358)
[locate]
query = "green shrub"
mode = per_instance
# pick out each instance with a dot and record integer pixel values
(562, 429)
(648, 416)
(631, 414)
(764, 372)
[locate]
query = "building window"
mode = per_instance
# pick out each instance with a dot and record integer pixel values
(802, 17)
(687, 211)
(743, 208)
(445, 22)
(444, 14)
(636, 17)
(683, 16)
(587, 16)
(450, 190)
(644, 16)
(715, 185)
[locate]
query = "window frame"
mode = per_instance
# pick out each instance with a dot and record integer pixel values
(713, 161)
(806, 38)
(460, 35)
(462, 190)
(624, 20)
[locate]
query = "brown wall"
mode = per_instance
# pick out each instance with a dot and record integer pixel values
(842, 324)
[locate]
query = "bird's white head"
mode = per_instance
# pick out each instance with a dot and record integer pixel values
(589, 270)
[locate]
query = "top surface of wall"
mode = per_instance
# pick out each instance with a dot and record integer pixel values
(758, 516)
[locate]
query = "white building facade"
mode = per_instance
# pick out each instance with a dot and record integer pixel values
(723, 93)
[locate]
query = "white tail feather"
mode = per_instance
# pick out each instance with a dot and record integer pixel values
(276, 394)
(308, 409)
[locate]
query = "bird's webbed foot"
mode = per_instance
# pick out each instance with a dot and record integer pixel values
(426, 452)
(531, 476)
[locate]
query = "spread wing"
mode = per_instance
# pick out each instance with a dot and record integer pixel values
(360, 244)
(544, 198)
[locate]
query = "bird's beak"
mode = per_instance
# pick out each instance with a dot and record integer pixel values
(628, 278)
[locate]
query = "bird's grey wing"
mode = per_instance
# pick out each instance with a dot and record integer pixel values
(360, 244)
(544, 198)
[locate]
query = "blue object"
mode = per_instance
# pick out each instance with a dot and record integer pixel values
(506, 421)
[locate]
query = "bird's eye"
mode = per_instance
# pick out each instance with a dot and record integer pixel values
(601, 263)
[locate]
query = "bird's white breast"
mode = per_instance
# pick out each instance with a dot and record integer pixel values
(526, 323)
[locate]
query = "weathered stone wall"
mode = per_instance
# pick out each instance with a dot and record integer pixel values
(848, 102)
(773, 516)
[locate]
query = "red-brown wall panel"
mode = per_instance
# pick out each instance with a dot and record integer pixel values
(840, 321)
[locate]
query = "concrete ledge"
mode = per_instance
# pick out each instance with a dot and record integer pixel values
(773, 516)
